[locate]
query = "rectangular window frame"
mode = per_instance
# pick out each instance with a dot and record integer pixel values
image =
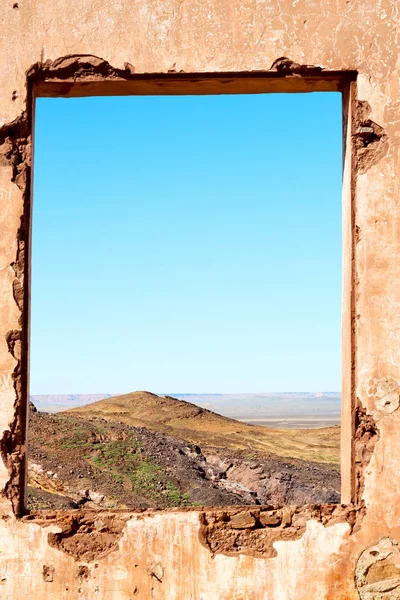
(82, 82)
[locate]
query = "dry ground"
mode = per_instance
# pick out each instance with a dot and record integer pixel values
(82, 459)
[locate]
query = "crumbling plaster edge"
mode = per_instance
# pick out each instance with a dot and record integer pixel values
(15, 147)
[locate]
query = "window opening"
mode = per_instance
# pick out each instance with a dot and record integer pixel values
(189, 246)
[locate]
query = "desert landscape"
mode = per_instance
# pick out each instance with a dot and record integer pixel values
(141, 450)
(284, 410)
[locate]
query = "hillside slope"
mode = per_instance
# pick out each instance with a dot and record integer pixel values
(77, 461)
(197, 425)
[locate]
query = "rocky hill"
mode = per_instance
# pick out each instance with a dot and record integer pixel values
(139, 452)
(206, 428)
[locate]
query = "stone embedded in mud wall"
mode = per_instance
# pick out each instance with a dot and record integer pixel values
(377, 572)
(48, 573)
(84, 536)
(386, 397)
(254, 532)
(365, 438)
(370, 139)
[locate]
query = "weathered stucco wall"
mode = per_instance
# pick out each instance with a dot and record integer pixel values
(306, 553)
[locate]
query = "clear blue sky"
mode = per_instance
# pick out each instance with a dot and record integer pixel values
(187, 244)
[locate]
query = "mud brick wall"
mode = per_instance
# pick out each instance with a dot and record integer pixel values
(345, 552)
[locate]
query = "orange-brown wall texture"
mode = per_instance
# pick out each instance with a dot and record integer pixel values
(315, 553)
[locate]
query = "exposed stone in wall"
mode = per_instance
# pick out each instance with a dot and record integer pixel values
(385, 395)
(16, 152)
(285, 66)
(83, 572)
(85, 536)
(48, 573)
(16, 149)
(378, 571)
(86, 67)
(77, 67)
(253, 532)
(366, 436)
(370, 140)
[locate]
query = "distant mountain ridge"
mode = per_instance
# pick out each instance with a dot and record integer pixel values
(65, 400)
(82, 399)
(282, 409)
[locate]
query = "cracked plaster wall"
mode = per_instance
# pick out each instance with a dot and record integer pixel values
(162, 555)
